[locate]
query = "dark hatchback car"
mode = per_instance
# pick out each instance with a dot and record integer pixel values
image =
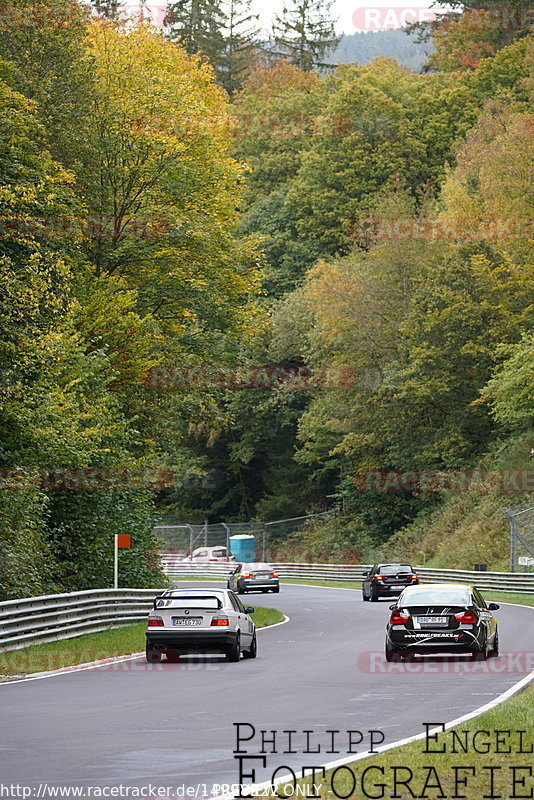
(441, 618)
(387, 580)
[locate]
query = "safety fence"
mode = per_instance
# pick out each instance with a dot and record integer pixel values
(63, 616)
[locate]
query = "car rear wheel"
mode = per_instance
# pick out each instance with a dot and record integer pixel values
(495, 650)
(481, 655)
(253, 649)
(374, 596)
(364, 597)
(240, 589)
(234, 652)
(276, 590)
(152, 656)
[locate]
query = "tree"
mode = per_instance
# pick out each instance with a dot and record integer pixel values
(461, 44)
(57, 409)
(488, 196)
(288, 255)
(241, 41)
(198, 26)
(473, 30)
(162, 185)
(276, 113)
(45, 59)
(381, 125)
(109, 9)
(304, 32)
(510, 390)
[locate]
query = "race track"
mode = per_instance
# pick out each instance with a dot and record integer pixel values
(136, 724)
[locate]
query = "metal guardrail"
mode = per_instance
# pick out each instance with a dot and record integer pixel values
(63, 616)
(502, 581)
(175, 567)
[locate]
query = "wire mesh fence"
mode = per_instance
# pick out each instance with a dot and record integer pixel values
(521, 520)
(188, 542)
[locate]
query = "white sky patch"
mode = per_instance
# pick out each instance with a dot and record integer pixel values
(352, 15)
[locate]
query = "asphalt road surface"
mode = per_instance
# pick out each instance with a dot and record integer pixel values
(172, 725)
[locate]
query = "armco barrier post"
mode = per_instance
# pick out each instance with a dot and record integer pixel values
(121, 540)
(116, 561)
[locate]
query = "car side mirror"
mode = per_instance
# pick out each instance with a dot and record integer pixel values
(249, 610)
(393, 607)
(493, 606)
(365, 574)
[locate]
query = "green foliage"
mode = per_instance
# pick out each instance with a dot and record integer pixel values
(81, 529)
(467, 527)
(288, 255)
(25, 557)
(163, 188)
(276, 115)
(510, 391)
(372, 200)
(131, 261)
(42, 56)
(507, 75)
(393, 128)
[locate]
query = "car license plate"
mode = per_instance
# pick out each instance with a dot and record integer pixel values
(187, 621)
(431, 620)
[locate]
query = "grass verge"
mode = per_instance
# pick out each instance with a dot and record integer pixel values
(488, 772)
(93, 646)
(489, 594)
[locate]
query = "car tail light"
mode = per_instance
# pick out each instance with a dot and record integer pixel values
(466, 616)
(378, 578)
(219, 622)
(273, 575)
(248, 576)
(412, 577)
(398, 619)
(155, 622)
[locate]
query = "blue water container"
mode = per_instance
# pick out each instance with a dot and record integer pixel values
(243, 547)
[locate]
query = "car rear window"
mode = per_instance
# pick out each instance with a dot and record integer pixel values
(430, 595)
(261, 568)
(210, 603)
(394, 570)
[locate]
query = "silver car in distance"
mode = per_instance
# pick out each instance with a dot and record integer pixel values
(199, 621)
(254, 577)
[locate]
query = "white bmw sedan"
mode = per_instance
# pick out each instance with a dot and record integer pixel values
(200, 621)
